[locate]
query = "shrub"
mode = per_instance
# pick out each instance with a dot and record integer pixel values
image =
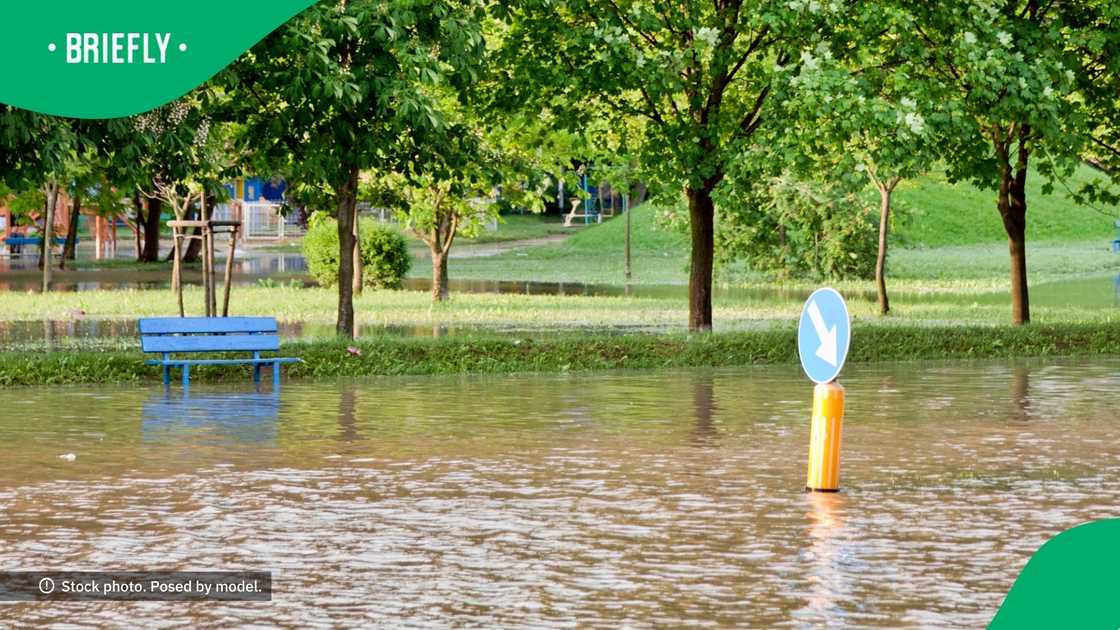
(797, 229)
(385, 257)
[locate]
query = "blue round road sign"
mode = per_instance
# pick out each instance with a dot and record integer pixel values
(823, 335)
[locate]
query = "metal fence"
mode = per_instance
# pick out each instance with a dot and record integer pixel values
(260, 221)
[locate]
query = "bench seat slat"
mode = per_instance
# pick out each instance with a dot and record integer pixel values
(177, 362)
(210, 343)
(206, 325)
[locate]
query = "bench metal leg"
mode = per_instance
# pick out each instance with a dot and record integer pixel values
(275, 376)
(186, 375)
(257, 373)
(166, 375)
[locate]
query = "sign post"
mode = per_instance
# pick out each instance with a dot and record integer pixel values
(824, 335)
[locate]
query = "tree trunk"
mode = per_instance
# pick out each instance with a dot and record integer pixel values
(138, 227)
(346, 196)
(48, 235)
(881, 261)
(1013, 210)
(628, 270)
(69, 250)
(440, 289)
(359, 271)
(639, 193)
(151, 230)
(46, 208)
(701, 212)
(194, 247)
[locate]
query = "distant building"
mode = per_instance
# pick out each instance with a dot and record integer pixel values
(254, 189)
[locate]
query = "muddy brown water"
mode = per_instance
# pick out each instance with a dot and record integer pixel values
(623, 499)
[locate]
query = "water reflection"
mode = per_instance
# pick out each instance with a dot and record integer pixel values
(704, 431)
(1021, 393)
(239, 417)
(830, 583)
(347, 413)
(608, 500)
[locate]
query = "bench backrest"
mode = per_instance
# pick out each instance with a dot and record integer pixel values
(209, 334)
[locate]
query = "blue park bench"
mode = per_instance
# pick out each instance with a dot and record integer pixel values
(1116, 243)
(16, 242)
(177, 335)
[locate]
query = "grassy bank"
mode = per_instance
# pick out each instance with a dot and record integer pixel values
(935, 213)
(313, 309)
(944, 232)
(394, 356)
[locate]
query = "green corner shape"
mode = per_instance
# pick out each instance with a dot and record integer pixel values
(48, 69)
(1070, 583)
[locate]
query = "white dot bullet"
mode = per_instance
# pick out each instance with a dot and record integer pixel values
(182, 48)
(51, 47)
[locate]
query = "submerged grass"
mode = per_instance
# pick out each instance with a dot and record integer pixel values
(488, 354)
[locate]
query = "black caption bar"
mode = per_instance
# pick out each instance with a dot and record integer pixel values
(156, 586)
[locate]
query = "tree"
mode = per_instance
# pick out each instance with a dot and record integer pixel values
(40, 149)
(700, 73)
(863, 117)
(334, 91)
(817, 228)
(451, 186)
(1017, 72)
(1096, 50)
(166, 145)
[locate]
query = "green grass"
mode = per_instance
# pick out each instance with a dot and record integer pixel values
(482, 354)
(946, 247)
(513, 227)
(520, 227)
(760, 307)
(934, 213)
(592, 255)
(1046, 261)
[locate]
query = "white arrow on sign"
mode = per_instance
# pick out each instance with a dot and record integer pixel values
(827, 351)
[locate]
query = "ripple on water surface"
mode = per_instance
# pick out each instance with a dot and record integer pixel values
(612, 499)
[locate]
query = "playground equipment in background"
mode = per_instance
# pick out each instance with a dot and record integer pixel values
(597, 201)
(103, 229)
(257, 203)
(260, 220)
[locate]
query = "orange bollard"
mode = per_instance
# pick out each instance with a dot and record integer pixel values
(824, 440)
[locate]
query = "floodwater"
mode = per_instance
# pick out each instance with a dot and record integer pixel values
(22, 274)
(623, 499)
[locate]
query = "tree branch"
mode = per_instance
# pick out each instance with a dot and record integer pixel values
(753, 118)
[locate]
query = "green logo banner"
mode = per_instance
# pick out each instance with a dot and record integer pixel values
(1070, 582)
(111, 58)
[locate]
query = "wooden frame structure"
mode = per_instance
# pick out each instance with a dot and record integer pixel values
(207, 230)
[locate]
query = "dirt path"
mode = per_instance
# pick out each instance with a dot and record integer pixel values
(483, 250)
